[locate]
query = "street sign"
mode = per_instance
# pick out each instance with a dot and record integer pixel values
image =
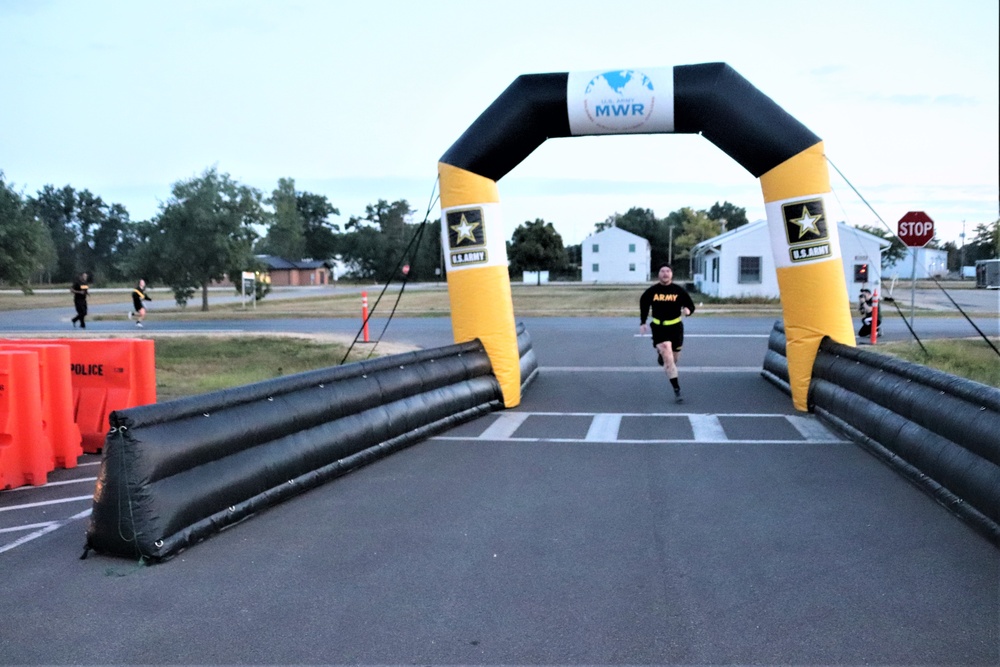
(915, 229)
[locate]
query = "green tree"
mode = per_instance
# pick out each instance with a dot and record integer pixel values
(56, 209)
(536, 246)
(734, 216)
(375, 243)
(202, 232)
(695, 227)
(895, 252)
(363, 250)
(319, 232)
(87, 232)
(25, 244)
(286, 237)
(985, 243)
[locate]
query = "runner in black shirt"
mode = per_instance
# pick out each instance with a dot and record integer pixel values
(138, 296)
(668, 302)
(79, 290)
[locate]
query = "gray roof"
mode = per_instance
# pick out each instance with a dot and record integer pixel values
(280, 263)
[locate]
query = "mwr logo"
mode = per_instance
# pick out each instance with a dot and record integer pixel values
(471, 257)
(805, 221)
(465, 228)
(621, 100)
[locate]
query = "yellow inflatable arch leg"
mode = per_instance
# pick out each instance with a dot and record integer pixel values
(475, 255)
(810, 270)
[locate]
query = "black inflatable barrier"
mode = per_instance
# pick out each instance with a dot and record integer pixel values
(775, 362)
(174, 473)
(528, 361)
(940, 431)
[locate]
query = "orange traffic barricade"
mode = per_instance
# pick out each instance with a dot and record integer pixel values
(25, 451)
(106, 374)
(109, 375)
(57, 400)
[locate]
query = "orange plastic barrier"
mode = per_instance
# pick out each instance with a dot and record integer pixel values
(57, 400)
(25, 457)
(109, 375)
(106, 374)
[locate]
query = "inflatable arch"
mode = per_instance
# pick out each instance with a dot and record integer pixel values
(710, 99)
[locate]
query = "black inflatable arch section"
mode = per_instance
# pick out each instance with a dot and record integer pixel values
(756, 133)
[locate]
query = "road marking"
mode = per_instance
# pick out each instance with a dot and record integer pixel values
(647, 369)
(30, 526)
(605, 427)
(691, 335)
(811, 428)
(504, 426)
(707, 428)
(46, 502)
(55, 525)
(50, 484)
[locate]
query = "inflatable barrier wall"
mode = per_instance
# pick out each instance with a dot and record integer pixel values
(175, 472)
(938, 430)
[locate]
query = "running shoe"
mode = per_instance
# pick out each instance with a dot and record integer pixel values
(677, 396)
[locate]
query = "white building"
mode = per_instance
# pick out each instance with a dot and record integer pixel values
(615, 256)
(930, 262)
(740, 262)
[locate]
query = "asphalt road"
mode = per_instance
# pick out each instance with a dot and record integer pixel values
(596, 523)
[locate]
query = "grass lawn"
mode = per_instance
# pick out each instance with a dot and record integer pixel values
(190, 365)
(970, 358)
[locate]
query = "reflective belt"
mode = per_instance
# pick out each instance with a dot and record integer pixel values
(664, 323)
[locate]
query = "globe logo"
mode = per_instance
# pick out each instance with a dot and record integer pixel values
(619, 101)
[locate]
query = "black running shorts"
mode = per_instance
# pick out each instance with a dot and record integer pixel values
(671, 332)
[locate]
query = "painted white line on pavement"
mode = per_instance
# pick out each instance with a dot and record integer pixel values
(647, 369)
(691, 335)
(707, 428)
(47, 502)
(811, 429)
(50, 484)
(604, 427)
(55, 525)
(504, 426)
(30, 526)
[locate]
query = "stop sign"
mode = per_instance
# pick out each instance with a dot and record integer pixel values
(916, 229)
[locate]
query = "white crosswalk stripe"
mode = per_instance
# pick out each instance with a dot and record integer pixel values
(704, 428)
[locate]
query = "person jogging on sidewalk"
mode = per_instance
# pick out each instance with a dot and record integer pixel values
(138, 296)
(668, 302)
(80, 289)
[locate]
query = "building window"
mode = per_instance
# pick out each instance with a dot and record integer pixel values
(715, 270)
(631, 247)
(749, 270)
(596, 268)
(596, 247)
(631, 267)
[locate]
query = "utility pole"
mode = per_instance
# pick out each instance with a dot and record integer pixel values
(670, 245)
(962, 262)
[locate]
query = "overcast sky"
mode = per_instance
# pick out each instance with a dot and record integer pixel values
(357, 101)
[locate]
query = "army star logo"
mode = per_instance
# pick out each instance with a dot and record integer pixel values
(465, 228)
(805, 221)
